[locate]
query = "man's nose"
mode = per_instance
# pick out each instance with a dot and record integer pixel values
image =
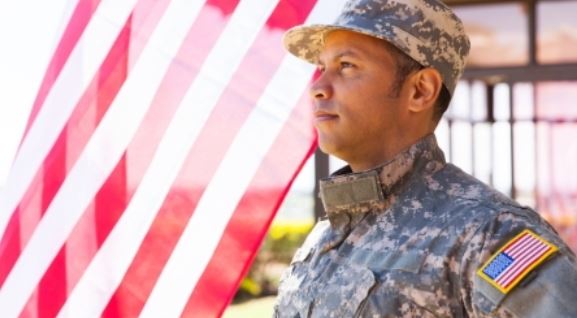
(321, 87)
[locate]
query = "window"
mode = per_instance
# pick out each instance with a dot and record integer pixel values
(498, 34)
(557, 32)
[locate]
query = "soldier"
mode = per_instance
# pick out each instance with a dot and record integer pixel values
(407, 234)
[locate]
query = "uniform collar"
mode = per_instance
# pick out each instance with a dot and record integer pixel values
(347, 196)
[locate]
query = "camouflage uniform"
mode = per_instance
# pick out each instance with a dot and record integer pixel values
(406, 240)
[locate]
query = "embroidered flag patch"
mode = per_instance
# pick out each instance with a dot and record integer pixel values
(507, 267)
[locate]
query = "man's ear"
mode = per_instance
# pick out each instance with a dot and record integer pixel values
(426, 86)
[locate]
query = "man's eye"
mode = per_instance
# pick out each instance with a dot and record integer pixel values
(346, 65)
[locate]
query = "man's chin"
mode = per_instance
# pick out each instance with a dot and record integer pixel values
(332, 148)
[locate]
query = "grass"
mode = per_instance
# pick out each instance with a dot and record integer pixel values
(257, 308)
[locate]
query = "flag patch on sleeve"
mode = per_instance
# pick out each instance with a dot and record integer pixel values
(517, 258)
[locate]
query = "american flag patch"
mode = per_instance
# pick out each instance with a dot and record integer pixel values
(510, 264)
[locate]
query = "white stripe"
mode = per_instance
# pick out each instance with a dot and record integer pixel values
(92, 292)
(96, 40)
(24, 57)
(202, 234)
(101, 154)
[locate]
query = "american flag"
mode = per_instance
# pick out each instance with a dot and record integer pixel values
(515, 260)
(162, 139)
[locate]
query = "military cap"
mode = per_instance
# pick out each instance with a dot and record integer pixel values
(426, 30)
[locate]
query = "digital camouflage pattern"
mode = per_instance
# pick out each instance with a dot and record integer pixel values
(415, 251)
(426, 30)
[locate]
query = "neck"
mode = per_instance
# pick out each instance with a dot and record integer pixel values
(385, 154)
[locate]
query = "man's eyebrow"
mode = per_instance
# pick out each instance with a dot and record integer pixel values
(344, 53)
(347, 52)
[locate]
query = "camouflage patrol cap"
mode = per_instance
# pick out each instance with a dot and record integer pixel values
(426, 30)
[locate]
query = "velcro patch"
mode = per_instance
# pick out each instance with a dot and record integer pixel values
(510, 264)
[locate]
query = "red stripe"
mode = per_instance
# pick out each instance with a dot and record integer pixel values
(47, 291)
(86, 117)
(10, 246)
(78, 21)
(231, 111)
(249, 224)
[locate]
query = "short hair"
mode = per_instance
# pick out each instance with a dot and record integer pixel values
(405, 65)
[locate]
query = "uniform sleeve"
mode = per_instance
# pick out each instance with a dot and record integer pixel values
(546, 290)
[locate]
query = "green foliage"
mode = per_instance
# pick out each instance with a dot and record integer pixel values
(250, 286)
(283, 239)
(275, 254)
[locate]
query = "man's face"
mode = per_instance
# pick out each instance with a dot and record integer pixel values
(358, 116)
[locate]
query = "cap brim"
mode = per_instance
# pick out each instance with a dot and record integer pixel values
(306, 42)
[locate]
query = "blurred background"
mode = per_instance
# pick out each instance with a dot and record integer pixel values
(512, 123)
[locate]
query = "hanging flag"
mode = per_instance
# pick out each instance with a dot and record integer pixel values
(162, 140)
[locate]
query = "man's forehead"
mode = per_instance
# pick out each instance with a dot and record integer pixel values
(334, 52)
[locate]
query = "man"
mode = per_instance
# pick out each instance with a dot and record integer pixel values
(406, 234)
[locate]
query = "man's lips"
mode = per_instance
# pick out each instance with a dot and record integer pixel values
(321, 115)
